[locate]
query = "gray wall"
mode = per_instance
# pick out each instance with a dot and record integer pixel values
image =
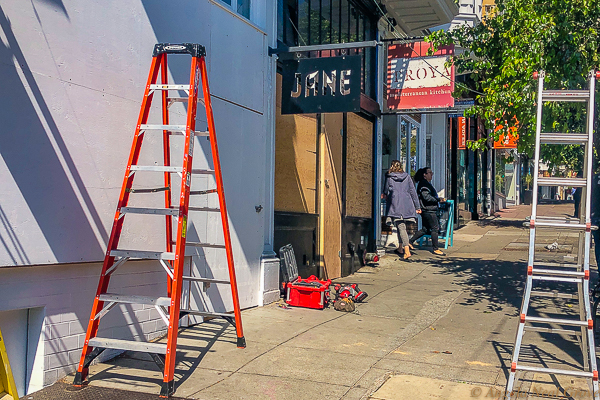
(72, 75)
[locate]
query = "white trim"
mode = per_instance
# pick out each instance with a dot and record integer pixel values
(223, 6)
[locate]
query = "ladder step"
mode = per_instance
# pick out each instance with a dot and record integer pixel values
(553, 330)
(553, 371)
(170, 128)
(152, 255)
(208, 280)
(575, 182)
(170, 87)
(207, 313)
(556, 279)
(558, 265)
(543, 271)
(174, 129)
(204, 209)
(183, 100)
(156, 168)
(203, 171)
(156, 348)
(134, 299)
(565, 95)
(197, 244)
(558, 222)
(553, 294)
(561, 321)
(563, 138)
(152, 211)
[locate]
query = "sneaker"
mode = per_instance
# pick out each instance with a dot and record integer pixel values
(438, 252)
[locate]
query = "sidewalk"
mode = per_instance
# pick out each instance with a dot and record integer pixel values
(432, 328)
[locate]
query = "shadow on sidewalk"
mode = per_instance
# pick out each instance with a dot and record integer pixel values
(194, 343)
(499, 285)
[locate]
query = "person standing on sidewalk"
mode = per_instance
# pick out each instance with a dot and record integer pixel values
(429, 200)
(401, 201)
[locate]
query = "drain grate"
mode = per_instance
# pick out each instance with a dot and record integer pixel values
(65, 391)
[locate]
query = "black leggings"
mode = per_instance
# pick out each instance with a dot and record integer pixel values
(431, 226)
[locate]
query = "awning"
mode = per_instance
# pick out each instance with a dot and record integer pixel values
(413, 16)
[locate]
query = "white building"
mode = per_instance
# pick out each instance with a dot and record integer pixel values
(73, 75)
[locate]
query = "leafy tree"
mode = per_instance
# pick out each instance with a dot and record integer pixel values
(560, 37)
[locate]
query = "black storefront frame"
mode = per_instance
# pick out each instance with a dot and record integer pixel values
(363, 11)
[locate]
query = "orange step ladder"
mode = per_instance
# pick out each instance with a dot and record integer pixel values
(171, 257)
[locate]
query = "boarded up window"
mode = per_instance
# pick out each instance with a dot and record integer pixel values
(295, 160)
(359, 167)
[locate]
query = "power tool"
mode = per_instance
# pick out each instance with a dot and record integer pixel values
(350, 291)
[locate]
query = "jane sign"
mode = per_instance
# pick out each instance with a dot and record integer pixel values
(321, 85)
(417, 80)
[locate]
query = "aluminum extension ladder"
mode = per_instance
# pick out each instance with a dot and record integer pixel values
(172, 257)
(578, 273)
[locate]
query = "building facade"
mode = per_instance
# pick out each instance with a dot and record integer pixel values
(73, 76)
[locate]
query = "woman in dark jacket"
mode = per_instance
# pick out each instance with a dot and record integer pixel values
(429, 200)
(402, 201)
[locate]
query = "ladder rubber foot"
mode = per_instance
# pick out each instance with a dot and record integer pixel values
(78, 381)
(167, 389)
(241, 342)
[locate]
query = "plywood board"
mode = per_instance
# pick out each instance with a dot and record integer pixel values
(359, 167)
(331, 189)
(295, 160)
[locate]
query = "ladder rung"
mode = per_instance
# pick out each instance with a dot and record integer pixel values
(561, 321)
(556, 279)
(134, 299)
(151, 211)
(553, 330)
(197, 244)
(552, 371)
(558, 222)
(558, 265)
(170, 128)
(207, 313)
(204, 209)
(156, 348)
(208, 280)
(169, 87)
(182, 99)
(565, 95)
(152, 255)
(563, 138)
(542, 271)
(203, 171)
(174, 129)
(155, 168)
(553, 294)
(575, 182)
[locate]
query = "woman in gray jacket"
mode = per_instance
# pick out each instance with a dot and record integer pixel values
(402, 201)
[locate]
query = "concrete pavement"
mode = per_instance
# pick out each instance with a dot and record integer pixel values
(432, 328)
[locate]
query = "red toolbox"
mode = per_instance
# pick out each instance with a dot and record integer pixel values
(309, 292)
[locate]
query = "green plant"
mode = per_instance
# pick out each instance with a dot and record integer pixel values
(560, 37)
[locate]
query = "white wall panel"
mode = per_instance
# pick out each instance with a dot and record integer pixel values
(73, 76)
(75, 73)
